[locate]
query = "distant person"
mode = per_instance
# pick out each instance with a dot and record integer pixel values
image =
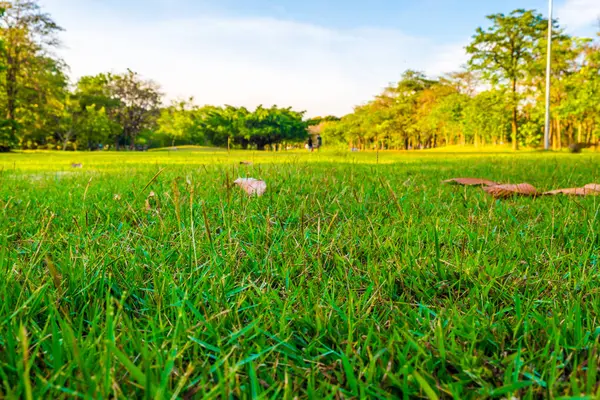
(319, 142)
(309, 145)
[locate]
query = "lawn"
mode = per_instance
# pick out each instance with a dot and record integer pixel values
(355, 275)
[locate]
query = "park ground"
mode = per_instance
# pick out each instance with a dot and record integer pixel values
(149, 275)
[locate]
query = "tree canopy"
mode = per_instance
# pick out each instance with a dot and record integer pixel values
(497, 99)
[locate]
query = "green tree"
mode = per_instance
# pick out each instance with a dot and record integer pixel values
(177, 122)
(210, 123)
(68, 121)
(95, 128)
(139, 104)
(505, 52)
(97, 91)
(487, 117)
(4, 131)
(99, 105)
(28, 33)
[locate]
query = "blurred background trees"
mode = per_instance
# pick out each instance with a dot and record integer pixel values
(497, 99)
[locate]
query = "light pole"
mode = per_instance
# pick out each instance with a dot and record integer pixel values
(548, 72)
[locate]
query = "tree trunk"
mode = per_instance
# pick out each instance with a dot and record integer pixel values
(588, 134)
(553, 135)
(558, 134)
(11, 92)
(515, 122)
(515, 130)
(579, 132)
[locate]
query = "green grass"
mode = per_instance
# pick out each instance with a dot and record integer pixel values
(349, 278)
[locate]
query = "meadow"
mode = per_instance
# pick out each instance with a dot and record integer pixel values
(357, 275)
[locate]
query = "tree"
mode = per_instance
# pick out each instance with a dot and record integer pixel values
(95, 128)
(28, 35)
(210, 124)
(487, 117)
(464, 82)
(99, 105)
(68, 121)
(139, 102)
(177, 122)
(271, 126)
(504, 53)
(97, 91)
(4, 132)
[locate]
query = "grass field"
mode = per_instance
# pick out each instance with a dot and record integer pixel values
(148, 275)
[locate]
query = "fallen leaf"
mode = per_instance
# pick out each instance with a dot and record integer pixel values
(508, 190)
(568, 192)
(471, 182)
(74, 165)
(252, 186)
(592, 189)
(246, 162)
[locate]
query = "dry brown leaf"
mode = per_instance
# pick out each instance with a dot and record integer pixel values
(252, 186)
(246, 162)
(573, 192)
(471, 182)
(508, 190)
(592, 189)
(593, 186)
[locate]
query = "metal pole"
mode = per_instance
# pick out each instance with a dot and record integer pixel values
(548, 72)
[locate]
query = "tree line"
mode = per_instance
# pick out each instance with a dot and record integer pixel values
(496, 99)
(42, 110)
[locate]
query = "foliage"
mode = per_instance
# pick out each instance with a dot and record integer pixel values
(260, 128)
(499, 99)
(32, 83)
(504, 53)
(178, 123)
(139, 104)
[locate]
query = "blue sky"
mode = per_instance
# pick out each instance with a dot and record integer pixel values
(323, 56)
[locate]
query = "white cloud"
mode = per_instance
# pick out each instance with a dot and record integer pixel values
(247, 61)
(578, 14)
